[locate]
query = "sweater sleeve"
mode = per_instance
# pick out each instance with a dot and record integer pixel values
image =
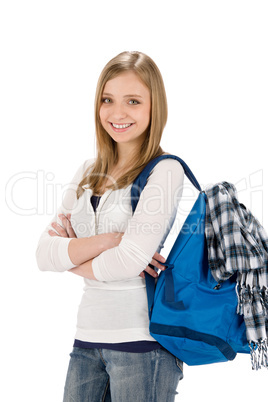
(148, 228)
(52, 251)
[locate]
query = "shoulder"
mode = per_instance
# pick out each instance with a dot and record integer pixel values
(168, 165)
(83, 169)
(87, 165)
(167, 173)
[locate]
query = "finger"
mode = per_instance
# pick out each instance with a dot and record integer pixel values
(151, 272)
(117, 235)
(157, 265)
(67, 225)
(61, 231)
(159, 257)
(142, 274)
(52, 233)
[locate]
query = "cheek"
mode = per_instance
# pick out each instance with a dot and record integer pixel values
(102, 115)
(147, 117)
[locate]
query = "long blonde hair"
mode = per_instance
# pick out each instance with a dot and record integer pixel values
(107, 156)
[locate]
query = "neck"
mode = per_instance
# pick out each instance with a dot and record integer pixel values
(125, 154)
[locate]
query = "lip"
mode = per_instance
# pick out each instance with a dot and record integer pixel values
(120, 130)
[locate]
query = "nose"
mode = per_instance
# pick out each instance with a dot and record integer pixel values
(119, 112)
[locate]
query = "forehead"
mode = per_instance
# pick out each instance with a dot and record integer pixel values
(126, 83)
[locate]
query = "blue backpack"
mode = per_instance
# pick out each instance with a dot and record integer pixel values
(190, 314)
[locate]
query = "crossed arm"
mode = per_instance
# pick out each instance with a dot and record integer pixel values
(82, 251)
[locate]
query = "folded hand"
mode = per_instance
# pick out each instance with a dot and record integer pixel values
(154, 263)
(63, 231)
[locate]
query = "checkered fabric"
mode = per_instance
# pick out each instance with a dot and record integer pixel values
(237, 243)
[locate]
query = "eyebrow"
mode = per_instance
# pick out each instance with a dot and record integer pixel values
(125, 96)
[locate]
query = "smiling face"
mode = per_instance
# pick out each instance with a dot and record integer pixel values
(125, 109)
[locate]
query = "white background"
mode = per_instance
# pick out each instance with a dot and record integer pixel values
(214, 60)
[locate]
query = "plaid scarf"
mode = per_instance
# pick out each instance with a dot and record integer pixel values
(237, 243)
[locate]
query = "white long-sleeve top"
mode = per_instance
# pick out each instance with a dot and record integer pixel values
(113, 308)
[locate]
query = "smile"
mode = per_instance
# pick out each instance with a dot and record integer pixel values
(121, 125)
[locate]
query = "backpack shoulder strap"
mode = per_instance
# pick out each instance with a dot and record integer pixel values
(136, 189)
(141, 180)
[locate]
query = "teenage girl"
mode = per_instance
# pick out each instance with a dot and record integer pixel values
(95, 235)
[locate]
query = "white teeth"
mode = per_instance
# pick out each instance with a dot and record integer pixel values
(121, 125)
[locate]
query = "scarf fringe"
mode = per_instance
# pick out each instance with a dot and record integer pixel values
(259, 354)
(247, 296)
(248, 299)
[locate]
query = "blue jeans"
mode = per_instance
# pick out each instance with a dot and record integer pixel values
(99, 375)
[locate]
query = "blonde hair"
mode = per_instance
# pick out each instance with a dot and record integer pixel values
(107, 156)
